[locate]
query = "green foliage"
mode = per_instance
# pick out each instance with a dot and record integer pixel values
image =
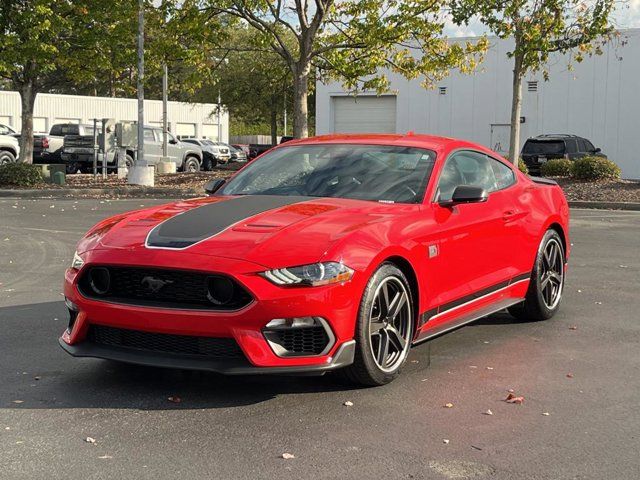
(543, 27)
(20, 175)
(522, 166)
(595, 168)
(558, 167)
(356, 42)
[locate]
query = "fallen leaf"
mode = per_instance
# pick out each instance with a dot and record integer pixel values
(488, 412)
(348, 404)
(473, 366)
(511, 398)
(18, 401)
(623, 266)
(36, 378)
(511, 390)
(105, 456)
(598, 303)
(445, 441)
(90, 440)
(288, 456)
(579, 291)
(174, 399)
(573, 327)
(448, 405)
(546, 414)
(489, 368)
(569, 375)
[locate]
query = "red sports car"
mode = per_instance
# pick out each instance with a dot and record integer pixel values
(337, 252)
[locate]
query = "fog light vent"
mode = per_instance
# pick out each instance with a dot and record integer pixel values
(301, 336)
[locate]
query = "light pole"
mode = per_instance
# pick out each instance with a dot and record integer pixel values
(140, 156)
(165, 122)
(219, 116)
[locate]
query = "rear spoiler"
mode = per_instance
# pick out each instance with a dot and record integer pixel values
(544, 181)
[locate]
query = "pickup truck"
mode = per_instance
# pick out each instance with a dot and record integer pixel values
(77, 152)
(48, 148)
(9, 149)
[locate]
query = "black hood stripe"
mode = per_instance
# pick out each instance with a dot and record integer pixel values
(200, 223)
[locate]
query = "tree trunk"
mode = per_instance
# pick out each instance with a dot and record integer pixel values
(274, 120)
(300, 96)
(516, 109)
(27, 99)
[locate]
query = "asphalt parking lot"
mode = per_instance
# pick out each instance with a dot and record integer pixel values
(581, 368)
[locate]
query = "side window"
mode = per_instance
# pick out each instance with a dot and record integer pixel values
(589, 146)
(504, 175)
(467, 168)
(56, 130)
(572, 145)
(4, 130)
(582, 146)
(148, 135)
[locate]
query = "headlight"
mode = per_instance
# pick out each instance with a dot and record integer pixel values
(77, 262)
(313, 275)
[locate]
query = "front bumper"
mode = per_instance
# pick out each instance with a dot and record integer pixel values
(334, 303)
(343, 357)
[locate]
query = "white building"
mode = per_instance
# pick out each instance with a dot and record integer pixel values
(598, 99)
(185, 119)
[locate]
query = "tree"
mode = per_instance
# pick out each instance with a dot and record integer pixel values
(539, 28)
(90, 47)
(352, 41)
(33, 33)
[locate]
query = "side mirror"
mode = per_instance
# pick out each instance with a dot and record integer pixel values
(214, 185)
(466, 194)
(173, 141)
(597, 150)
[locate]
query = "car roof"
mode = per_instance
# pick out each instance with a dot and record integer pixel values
(431, 142)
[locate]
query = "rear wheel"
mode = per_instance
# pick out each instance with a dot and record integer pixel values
(547, 281)
(128, 161)
(384, 328)
(191, 165)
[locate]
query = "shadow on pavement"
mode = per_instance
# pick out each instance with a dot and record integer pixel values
(37, 372)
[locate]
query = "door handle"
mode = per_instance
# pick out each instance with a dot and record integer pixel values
(508, 215)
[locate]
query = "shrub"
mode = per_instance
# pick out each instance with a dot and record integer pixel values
(595, 168)
(20, 175)
(523, 166)
(560, 167)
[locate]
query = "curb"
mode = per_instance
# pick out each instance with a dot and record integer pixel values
(118, 192)
(606, 205)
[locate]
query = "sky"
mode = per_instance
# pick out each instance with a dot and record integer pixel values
(627, 15)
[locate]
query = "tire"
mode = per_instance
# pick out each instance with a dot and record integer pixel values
(371, 334)
(191, 165)
(128, 161)
(547, 281)
(209, 162)
(6, 157)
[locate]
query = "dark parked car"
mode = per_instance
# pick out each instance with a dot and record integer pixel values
(540, 149)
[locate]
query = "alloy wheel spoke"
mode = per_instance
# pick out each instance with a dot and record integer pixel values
(384, 300)
(396, 305)
(383, 348)
(395, 338)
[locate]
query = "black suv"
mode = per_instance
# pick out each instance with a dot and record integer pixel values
(537, 150)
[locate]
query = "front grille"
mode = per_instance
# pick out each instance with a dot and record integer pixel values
(161, 287)
(300, 341)
(164, 343)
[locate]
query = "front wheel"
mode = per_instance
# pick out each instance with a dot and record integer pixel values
(547, 281)
(191, 165)
(6, 157)
(384, 328)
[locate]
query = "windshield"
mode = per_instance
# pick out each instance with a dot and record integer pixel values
(364, 172)
(542, 147)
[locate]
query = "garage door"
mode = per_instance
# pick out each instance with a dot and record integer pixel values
(210, 131)
(185, 130)
(364, 114)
